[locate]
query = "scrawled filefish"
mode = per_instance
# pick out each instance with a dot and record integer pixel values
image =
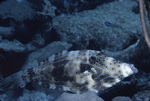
(76, 71)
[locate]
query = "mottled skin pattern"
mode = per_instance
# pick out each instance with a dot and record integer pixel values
(79, 71)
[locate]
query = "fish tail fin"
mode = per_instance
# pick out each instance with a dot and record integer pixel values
(13, 80)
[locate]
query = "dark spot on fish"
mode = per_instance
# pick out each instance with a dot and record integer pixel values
(47, 76)
(92, 60)
(49, 71)
(85, 67)
(45, 83)
(119, 71)
(116, 74)
(103, 76)
(109, 79)
(99, 84)
(41, 73)
(99, 54)
(100, 71)
(102, 87)
(93, 76)
(42, 77)
(58, 71)
(85, 60)
(96, 64)
(57, 54)
(44, 61)
(30, 73)
(121, 77)
(82, 87)
(24, 77)
(58, 74)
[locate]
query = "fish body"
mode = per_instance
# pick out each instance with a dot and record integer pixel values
(75, 71)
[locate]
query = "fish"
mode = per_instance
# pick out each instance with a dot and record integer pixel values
(76, 71)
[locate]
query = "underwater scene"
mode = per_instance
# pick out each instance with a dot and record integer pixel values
(74, 50)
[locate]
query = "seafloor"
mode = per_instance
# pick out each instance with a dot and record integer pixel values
(32, 30)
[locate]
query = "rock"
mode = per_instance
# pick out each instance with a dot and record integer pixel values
(6, 31)
(12, 46)
(16, 46)
(37, 41)
(48, 9)
(88, 29)
(35, 96)
(142, 96)
(17, 11)
(89, 96)
(3, 97)
(122, 98)
(71, 6)
(52, 92)
(19, 1)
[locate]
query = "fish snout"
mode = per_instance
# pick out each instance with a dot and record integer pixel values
(134, 70)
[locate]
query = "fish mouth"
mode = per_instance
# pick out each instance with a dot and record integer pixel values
(134, 70)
